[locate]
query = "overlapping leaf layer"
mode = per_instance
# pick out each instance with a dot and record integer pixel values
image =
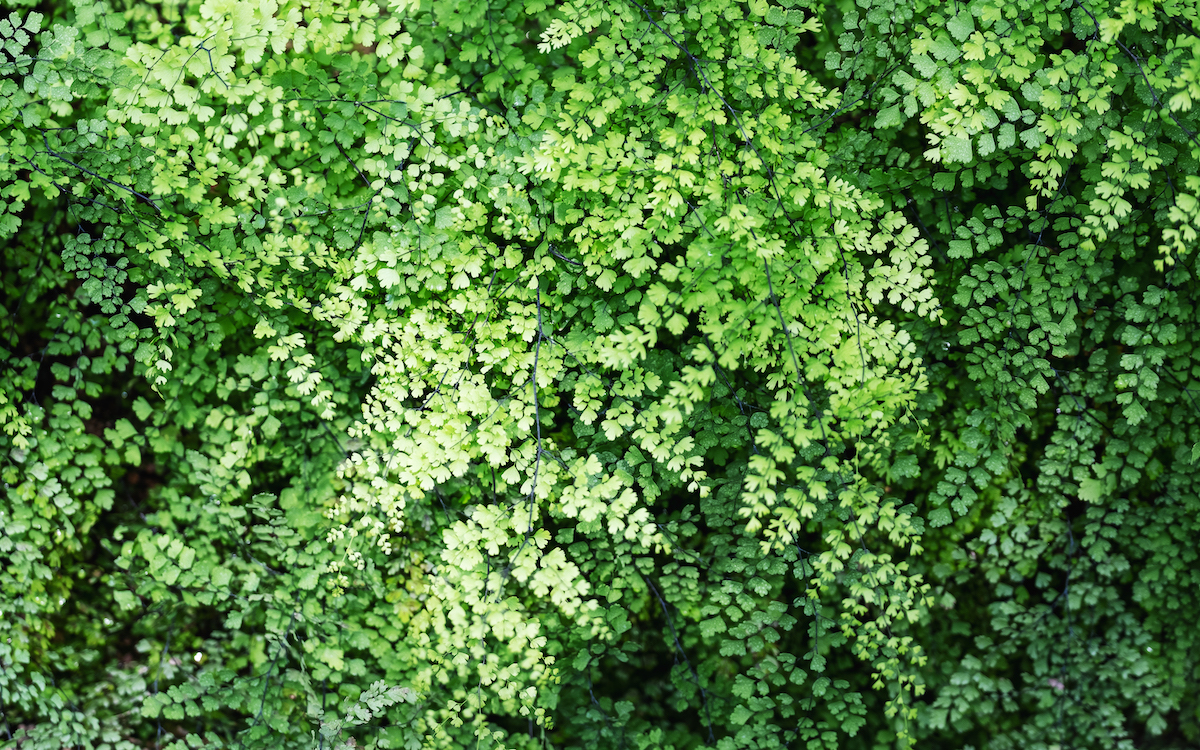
(507, 374)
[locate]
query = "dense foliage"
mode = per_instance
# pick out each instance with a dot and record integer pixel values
(639, 374)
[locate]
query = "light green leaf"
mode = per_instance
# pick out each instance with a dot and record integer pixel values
(388, 277)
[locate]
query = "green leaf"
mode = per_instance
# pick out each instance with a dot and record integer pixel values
(741, 714)
(221, 577)
(956, 149)
(962, 25)
(334, 657)
(940, 517)
(388, 277)
(309, 579)
(944, 181)
(889, 117)
(1091, 490)
(987, 144)
(712, 626)
(142, 409)
(125, 599)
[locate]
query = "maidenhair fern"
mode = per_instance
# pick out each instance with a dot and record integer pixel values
(748, 374)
